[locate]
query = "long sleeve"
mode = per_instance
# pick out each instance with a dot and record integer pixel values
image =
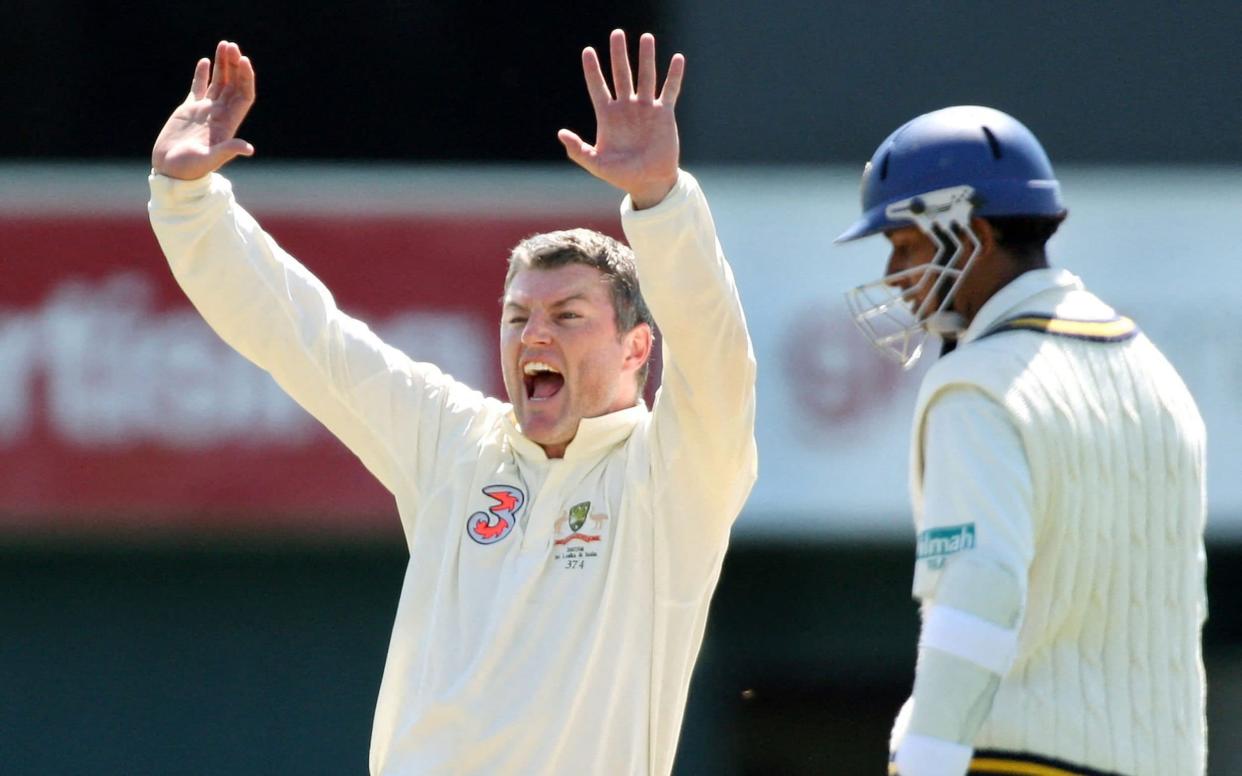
(388, 409)
(703, 419)
(976, 543)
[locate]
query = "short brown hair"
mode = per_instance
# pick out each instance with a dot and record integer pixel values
(614, 259)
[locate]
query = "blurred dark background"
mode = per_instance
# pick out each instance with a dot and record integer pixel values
(201, 655)
(266, 659)
(791, 81)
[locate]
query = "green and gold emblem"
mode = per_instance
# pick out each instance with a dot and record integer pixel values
(578, 515)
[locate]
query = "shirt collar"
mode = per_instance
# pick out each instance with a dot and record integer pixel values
(1016, 297)
(595, 435)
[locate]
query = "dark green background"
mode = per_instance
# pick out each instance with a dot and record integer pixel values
(789, 81)
(267, 660)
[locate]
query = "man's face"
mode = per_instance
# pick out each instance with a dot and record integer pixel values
(912, 250)
(561, 354)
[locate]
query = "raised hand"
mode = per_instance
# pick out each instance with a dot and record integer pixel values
(199, 137)
(636, 147)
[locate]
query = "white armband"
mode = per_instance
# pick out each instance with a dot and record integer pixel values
(971, 638)
(926, 756)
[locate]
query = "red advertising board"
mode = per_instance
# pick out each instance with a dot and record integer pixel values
(120, 411)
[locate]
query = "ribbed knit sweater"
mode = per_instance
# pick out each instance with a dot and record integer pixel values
(1109, 672)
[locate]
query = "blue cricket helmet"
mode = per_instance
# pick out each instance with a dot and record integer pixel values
(988, 150)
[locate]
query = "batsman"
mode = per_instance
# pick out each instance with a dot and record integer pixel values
(1057, 474)
(564, 544)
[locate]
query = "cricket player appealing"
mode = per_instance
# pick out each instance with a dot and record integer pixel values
(1057, 477)
(564, 545)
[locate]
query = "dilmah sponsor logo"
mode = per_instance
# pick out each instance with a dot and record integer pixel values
(936, 544)
(574, 546)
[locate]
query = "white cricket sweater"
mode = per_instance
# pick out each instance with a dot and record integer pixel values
(552, 610)
(1109, 672)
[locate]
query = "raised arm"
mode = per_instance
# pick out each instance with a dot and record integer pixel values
(702, 427)
(200, 136)
(388, 409)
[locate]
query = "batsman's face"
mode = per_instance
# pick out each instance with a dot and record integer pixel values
(911, 254)
(562, 356)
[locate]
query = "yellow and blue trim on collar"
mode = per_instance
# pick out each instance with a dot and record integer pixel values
(1113, 330)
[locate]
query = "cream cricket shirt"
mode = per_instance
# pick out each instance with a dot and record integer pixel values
(552, 610)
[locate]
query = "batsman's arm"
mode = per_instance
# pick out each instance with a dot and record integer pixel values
(975, 550)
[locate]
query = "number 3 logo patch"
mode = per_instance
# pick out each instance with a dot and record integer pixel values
(495, 524)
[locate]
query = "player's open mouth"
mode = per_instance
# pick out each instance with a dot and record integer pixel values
(542, 381)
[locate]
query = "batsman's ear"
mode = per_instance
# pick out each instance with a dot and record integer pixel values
(985, 233)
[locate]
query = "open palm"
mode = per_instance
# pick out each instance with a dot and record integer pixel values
(200, 135)
(636, 147)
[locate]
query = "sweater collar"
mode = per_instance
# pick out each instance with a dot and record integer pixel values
(1016, 297)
